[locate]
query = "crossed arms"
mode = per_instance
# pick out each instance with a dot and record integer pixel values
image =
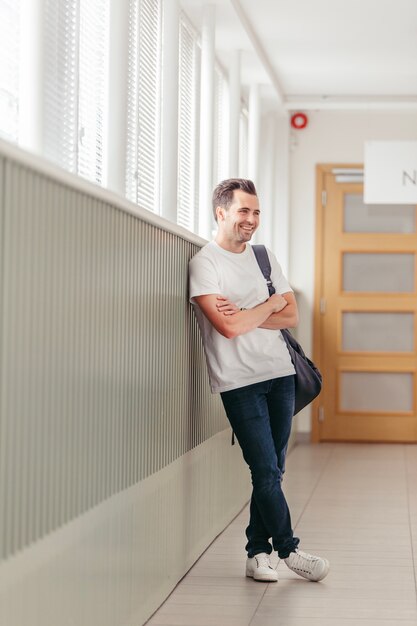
(278, 311)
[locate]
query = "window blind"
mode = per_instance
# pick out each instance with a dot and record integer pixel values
(144, 91)
(188, 125)
(9, 69)
(92, 86)
(60, 85)
(76, 44)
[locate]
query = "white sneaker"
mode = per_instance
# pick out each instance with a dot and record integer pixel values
(260, 568)
(308, 566)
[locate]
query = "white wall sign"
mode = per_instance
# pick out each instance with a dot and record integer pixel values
(390, 175)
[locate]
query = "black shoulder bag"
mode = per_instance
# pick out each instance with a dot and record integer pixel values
(308, 378)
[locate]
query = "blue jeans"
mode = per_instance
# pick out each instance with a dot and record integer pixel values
(261, 416)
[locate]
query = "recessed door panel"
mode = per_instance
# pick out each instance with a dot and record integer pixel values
(359, 217)
(377, 331)
(376, 392)
(378, 272)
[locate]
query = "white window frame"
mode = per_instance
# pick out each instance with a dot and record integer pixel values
(243, 141)
(221, 130)
(9, 69)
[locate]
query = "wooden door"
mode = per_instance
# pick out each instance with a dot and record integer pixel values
(365, 331)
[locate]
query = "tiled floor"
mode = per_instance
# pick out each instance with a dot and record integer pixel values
(355, 505)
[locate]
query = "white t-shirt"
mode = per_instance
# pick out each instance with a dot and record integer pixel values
(258, 355)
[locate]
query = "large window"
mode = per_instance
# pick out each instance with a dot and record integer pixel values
(75, 89)
(9, 69)
(188, 125)
(144, 97)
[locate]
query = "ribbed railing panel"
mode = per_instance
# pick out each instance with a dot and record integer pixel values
(103, 378)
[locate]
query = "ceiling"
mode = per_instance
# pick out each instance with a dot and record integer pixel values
(320, 53)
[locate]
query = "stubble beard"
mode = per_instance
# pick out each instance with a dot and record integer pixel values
(245, 235)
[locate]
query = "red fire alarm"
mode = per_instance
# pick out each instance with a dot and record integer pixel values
(299, 120)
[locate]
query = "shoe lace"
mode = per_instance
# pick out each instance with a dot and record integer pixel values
(300, 559)
(262, 560)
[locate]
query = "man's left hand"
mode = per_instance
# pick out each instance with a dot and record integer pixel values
(225, 306)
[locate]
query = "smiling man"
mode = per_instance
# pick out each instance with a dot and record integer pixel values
(250, 366)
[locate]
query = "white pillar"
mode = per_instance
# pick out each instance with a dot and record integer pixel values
(281, 223)
(253, 133)
(266, 180)
(31, 75)
(206, 122)
(234, 113)
(169, 111)
(116, 123)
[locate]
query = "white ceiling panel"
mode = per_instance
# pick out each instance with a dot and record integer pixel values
(360, 47)
(321, 49)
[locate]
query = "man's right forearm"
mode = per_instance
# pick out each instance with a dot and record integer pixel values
(244, 321)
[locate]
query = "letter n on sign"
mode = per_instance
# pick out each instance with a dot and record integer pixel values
(390, 172)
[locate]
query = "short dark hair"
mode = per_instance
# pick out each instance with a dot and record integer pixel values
(223, 193)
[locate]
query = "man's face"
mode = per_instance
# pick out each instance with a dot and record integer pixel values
(239, 222)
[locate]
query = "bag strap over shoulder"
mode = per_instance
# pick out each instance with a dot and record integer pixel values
(308, 377)
(262, 257)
